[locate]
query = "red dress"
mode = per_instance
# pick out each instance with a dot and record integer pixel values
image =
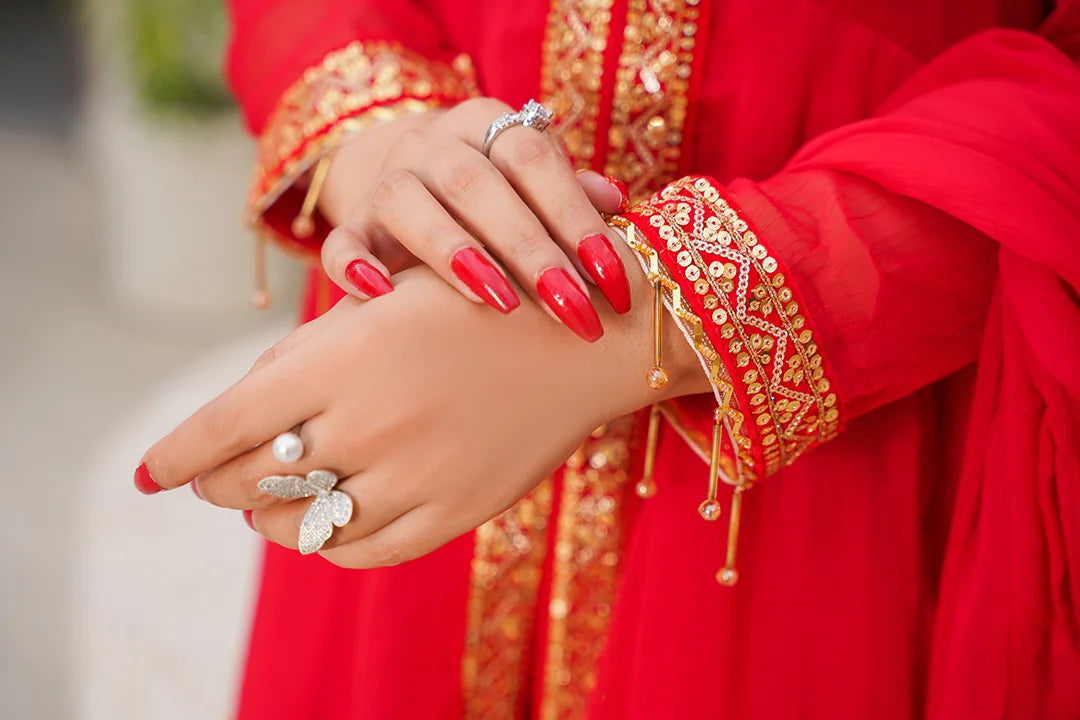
(911, 172)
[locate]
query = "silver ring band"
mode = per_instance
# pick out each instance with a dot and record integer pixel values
(532, 114)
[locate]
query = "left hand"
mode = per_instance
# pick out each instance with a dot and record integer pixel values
(436, 414)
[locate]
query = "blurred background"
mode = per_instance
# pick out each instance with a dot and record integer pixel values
(125, 285)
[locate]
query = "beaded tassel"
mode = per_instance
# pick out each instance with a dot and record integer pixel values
(646, 487)
(658, 377)
(728, 575)
(261, 297)
(303, 225)
(710, 507)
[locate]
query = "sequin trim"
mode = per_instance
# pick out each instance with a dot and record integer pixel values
(650, 101)
(744, 318)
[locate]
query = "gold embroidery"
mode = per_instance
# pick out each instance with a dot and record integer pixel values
(732, 461)
(651, 87)
(351, 88)
(572, 72)
(754, 310)
(588, 554)
(506, 569)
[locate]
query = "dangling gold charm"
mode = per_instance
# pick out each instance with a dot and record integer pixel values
(303, 225)
(260, 298)
(646, 486)
(728, 575)
(658, 377)
(710, 507)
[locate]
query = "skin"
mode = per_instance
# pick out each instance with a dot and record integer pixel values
(418, 189)
(437, 413)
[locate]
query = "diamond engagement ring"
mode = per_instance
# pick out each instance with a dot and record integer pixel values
(532, 114)
(331, 508)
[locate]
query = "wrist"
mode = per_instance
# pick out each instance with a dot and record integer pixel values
(633, 358)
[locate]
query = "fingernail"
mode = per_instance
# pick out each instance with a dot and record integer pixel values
(248, 520)
(484, 279)
(569, 303)
(144, 482)
(367, 279)
(606, 268)
(624, 194)
(195, 489)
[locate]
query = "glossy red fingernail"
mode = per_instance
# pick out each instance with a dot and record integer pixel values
(484, 279)
(624, 194)
(248, 520)
(606, 268)
(367, 279)
(144, 482)
(569, 303)
(195, 489)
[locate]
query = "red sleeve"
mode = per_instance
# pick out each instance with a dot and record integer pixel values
(886, 234)
(310, 73)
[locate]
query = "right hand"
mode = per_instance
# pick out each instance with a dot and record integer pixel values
(418, 190)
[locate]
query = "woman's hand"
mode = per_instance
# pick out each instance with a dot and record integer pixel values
(436, 414)
(420, 187)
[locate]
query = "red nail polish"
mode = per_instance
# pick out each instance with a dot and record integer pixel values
(569, 303)
(606, 268)
(624, 194)
(484, 279)
(144, 482)
(195, 489)
(367, 279)
(248, 520)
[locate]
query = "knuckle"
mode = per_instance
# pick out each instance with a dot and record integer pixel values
(466, 178)
(409, 145)
(268, 356)
(389, 555)
(223, 424)
(389, 188)
(527, 251)
(529, 150)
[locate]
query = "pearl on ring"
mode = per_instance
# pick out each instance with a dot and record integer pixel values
(288, 447)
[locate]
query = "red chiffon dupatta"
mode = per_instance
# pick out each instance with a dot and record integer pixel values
(1006, 641)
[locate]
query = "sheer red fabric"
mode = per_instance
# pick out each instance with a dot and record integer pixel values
(917, 167)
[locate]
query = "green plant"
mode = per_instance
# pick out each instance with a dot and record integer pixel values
(175, 51)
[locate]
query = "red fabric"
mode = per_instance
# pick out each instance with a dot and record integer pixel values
(920, 179)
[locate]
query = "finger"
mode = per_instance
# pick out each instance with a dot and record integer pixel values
(377, 502)
(250, 412)
(607, 194)
(552, 190)
(404, 208)
(540, 174)
(234, 484)
(352, 266)
(474, 190)
(412, 535)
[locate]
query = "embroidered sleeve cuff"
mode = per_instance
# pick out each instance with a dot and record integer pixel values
(743, 316)
(359, 84)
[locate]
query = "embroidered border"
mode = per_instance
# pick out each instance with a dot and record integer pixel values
(744, 319)
(572, 72)
(588, 545)
(652, 84)
(507, 564)
(351, 88)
